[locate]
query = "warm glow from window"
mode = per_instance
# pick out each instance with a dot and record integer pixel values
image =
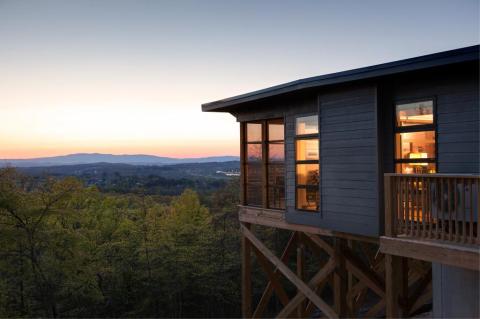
(415, 145)
(307, 149)
(409, 145)
(307, 166)
(307, 174)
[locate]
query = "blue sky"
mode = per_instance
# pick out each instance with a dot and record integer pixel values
(129, 76)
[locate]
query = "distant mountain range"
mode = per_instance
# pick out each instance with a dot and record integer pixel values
(90, 158)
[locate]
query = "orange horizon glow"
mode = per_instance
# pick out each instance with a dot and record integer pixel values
(216, 149)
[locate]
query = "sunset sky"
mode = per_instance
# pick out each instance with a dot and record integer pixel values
(128, 77)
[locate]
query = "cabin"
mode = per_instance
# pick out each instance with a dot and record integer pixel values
(377, 168)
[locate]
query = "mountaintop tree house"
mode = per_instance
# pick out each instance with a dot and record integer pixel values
(376, 170)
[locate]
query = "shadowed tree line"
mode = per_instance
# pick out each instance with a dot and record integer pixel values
(71, 251)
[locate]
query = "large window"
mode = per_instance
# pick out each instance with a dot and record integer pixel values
(307, 166)
(415, 138)
(264, 164)
(253, 164)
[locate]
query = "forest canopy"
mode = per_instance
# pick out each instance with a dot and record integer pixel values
(69, 250)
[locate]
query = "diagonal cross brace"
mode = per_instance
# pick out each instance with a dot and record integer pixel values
(290, 275)
(269, 289)
(316, 280)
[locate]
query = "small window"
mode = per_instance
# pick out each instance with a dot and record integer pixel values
(275, 130)
(415, 137)
(415, 145)
(307, 149)
(307, 167)
(307, 125)
(254, 132)
(418, 113)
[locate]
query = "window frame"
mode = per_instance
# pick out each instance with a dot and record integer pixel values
(311, 136)
(413, 129)
(264, 163)
(245, 161)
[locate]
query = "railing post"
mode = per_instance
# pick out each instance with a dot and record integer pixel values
(390, 214)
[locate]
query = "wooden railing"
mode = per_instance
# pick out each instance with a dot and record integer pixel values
(434, 206)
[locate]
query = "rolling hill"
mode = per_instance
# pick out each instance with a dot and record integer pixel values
(91, 158)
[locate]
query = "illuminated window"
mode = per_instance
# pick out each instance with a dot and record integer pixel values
(307, 167)
(418, 113)
(415, 137)
(276, 164)
(264, 167)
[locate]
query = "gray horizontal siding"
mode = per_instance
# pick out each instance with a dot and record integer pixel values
(348, 150)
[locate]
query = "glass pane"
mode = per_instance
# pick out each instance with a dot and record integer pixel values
(307, 174)
(275, 130)
(276, 175)
(254, 152)
(307, 125)
(307, 199)
(415, 168)
(418, 113)
(415, 145)
(253, 173)
(307, 149)
(276, 197)
(254, 132)
(254, 194)
(276, 152)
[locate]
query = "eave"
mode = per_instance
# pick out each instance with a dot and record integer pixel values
(467, 54)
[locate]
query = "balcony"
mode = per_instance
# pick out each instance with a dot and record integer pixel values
(433, 217)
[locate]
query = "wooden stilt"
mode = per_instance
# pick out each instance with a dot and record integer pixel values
(246, 276)
(300, 272)
(340, 278)
(394, 282)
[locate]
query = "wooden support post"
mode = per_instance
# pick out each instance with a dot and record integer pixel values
(340, 279)
(246, 276)
(350, 282)
(300, 271)
(403, 294)
(395, 279)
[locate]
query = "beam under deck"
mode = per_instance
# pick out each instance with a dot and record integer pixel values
(276, 218)
(458, 255)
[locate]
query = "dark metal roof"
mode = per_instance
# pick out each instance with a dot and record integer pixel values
(422, 62)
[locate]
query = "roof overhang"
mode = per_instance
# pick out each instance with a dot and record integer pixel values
(413, 64)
